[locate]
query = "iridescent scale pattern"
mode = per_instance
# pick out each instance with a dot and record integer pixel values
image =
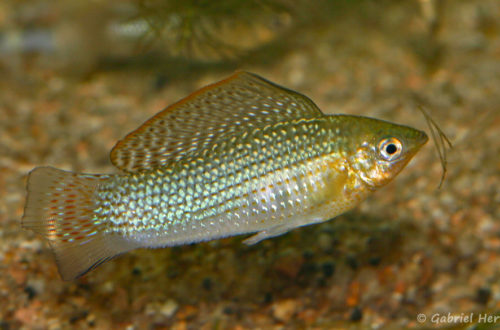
(245, 183)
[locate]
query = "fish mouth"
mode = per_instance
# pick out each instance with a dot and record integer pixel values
(418, 141)
(422, 139)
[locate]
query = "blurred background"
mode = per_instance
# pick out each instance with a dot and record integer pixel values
(77, 76)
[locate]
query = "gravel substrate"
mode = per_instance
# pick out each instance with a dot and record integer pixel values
(410, 249)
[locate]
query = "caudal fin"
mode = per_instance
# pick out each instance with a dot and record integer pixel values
(60, 206)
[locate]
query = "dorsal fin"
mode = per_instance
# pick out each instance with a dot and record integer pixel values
(241, 101)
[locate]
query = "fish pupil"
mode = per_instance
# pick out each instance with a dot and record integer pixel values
(391, 149)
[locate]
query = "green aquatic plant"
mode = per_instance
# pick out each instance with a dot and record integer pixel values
(212, 30)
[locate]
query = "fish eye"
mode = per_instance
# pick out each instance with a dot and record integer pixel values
(390, 148)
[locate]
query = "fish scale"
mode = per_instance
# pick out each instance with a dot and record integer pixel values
(246, 170)
(239, 156)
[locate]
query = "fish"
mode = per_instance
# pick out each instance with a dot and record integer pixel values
(240, 156)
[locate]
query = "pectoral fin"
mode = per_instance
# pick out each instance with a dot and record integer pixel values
(268, 233)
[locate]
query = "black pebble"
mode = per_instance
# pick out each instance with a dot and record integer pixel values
(30, 292)
(207, 283)
(328, 269)
(78, 316)
(160, 81)
(483, 295)
(308, 255)
(268, 297)
(84, 286)
(228, 310)
(352, 262)
(375, 261)
(356, 315)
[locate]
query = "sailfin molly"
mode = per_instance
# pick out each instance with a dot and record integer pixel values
(241, 156)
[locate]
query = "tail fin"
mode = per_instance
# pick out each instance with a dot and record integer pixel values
(60, 206)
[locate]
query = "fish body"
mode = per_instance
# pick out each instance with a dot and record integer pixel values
(279, 176)
(239, 156)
